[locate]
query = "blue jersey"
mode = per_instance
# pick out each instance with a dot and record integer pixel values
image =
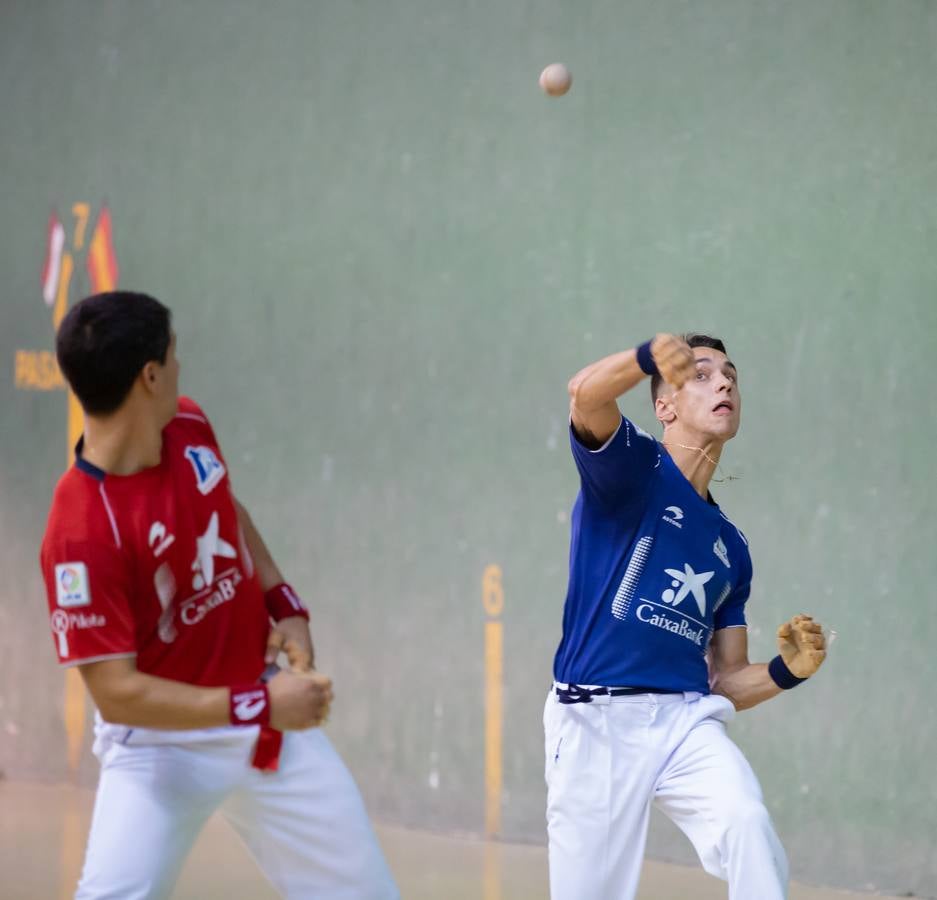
(654, 570)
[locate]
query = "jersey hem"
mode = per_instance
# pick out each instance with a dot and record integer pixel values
(604, 446)
(91, 659)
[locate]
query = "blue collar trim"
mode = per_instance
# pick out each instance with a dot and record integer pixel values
(83, 464)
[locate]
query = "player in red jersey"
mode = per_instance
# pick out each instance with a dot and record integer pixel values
(162, 592)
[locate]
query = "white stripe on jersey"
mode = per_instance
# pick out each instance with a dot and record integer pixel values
(110, 513)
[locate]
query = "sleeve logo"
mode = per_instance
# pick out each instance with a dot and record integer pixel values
(71, 585)
(209, 470)
(62, 622)
(59, 622)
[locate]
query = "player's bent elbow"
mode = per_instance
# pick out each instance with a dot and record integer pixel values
(116, 708)
(722, 692)
(115, 690)
(110, 712)
(579, 398)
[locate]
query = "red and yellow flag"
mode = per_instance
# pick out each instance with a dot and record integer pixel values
(102, 260)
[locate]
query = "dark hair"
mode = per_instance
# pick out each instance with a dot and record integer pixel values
(105, 341)
(694, 340)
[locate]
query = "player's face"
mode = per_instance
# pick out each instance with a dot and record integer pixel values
(709, 403)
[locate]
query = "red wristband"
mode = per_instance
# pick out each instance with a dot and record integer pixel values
(249, 704)
(282, 602)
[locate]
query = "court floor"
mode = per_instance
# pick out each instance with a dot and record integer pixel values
(43, 828)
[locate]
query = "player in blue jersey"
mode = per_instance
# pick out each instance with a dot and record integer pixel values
(654, 655)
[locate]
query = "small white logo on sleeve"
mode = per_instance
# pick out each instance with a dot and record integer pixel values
(71, 585)
(209, 470)
(249, 706)
(63, 622)
(59, 622)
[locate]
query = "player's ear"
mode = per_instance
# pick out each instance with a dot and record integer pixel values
(664, 409)
(149, 375)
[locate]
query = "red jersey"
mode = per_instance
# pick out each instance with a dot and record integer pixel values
(154, 565)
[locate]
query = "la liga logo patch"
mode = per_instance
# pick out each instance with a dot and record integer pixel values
(71, 585)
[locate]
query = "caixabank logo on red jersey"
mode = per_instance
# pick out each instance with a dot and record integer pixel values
(213, 586)
(74, 264)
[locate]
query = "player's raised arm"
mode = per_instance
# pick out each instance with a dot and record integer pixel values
(126, 696)
(291, 632)
(594, 390)
(268, 572)
(802, 651)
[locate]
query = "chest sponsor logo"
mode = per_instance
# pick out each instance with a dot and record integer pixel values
(719, 548)
(209, 470)
(212, 588)
(672, 516)
(193, 610)
(71, 585)
(666, 615)
(687, 582)
(165, 583)
(63, 622)
(208, 546)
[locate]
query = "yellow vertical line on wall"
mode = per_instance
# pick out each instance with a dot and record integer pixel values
(493, 602)
(491, 871)
(74, 688)
(73, 844)
(74, 691)
(494, 649)
(74, 700)
(76, 424)
(74, 719)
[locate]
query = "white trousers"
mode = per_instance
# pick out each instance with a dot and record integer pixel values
(608, 760)
(305, 824)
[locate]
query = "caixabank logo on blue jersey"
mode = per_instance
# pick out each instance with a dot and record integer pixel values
(683, 585)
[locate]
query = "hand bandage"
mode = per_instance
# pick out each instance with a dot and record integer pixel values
(803, 649)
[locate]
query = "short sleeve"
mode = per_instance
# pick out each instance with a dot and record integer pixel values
(203, 452)
(731, 614)
(620, 468)
(188, 409)
(88, 590)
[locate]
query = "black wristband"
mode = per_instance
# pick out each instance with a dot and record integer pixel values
(646, 359)
(782, 676)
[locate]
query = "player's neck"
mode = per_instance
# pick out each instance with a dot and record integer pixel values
(696, 456)
(123, 443)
